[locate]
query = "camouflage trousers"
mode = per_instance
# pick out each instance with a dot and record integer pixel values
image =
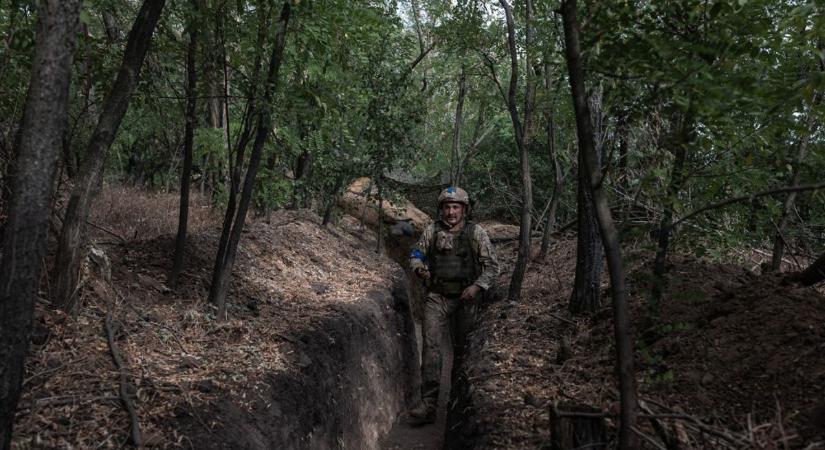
(447, 321)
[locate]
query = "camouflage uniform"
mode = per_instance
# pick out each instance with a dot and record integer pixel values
(444, 313)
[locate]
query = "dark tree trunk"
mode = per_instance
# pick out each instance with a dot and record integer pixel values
(610, 236)
(70, 249)
(522, 133)
(38, 149)
(478, 136)
(622, 131)
(558, 182)
(455, 161)
(680, 141)
(332, 199)
(380, 235)
(213, 71)
(233, 225)
(788, 203)
(188, 138)
(243, 141)
(586, 295)
(303, 165)
(557, 175)
(111, 27)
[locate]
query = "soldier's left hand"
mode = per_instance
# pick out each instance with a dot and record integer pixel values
(470, 292)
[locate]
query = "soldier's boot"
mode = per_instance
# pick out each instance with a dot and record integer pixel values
(422, 415)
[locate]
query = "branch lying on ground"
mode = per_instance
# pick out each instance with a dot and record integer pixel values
(124, 381)
(111, 233)
(695, 429)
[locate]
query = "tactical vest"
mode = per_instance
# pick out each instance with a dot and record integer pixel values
(456, 268)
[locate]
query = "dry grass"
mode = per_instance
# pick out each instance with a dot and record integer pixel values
(136, 214)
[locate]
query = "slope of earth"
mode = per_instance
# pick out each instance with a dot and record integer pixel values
(735, 355)
(317, 351)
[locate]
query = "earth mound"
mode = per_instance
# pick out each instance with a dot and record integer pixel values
(733, 352)
(318, 350)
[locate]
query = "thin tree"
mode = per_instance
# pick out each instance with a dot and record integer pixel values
(679, 142)
(522, 132)
(188, 139)
(38, 150)
(70, 248)
(234, 220)
(586, 296)
(455, 160)
(609, 233)
(558, 180)
(790, 199)
(475, 142)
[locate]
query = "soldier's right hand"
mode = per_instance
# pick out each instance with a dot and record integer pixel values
(424, 274)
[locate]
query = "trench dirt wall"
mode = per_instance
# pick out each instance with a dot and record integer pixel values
(357, 374)
(318, 351)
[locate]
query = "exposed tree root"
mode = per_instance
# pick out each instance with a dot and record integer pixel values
(123, 391)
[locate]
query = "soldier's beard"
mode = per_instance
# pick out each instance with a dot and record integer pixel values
(454, 219)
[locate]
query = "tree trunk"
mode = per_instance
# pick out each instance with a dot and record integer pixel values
(189, 135)
(622, 129)
(610, 236)
(478, 136)
(72, 238)
(111, 27)
(557, 175)
(380, 234)
(38, 149)
(680, 142)
(522, 133)
(787, 205)
(455, 161)
(557, 187)
(586, 295)
(332, 199)
(233, 226)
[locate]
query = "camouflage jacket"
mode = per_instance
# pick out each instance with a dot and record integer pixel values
(481, 246)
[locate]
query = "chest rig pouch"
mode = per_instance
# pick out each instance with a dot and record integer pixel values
(453, 261)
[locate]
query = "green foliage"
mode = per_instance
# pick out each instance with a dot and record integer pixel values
(748, 75)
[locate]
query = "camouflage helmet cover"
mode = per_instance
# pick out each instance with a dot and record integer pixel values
(454, 194)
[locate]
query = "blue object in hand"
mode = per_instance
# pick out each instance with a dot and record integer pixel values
(416, 253)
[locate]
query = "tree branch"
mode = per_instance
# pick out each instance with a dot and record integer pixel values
(123, 391)
(743, 198)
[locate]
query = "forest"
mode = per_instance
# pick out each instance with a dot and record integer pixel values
(207, 209)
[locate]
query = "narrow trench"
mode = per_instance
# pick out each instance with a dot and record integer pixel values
(403, 436)
(428, 437)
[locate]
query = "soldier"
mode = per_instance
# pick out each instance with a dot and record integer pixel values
(457, 261)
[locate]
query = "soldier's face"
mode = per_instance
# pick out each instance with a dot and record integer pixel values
(452, 212)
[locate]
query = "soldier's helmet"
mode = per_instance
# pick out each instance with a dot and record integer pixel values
(454, 194)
